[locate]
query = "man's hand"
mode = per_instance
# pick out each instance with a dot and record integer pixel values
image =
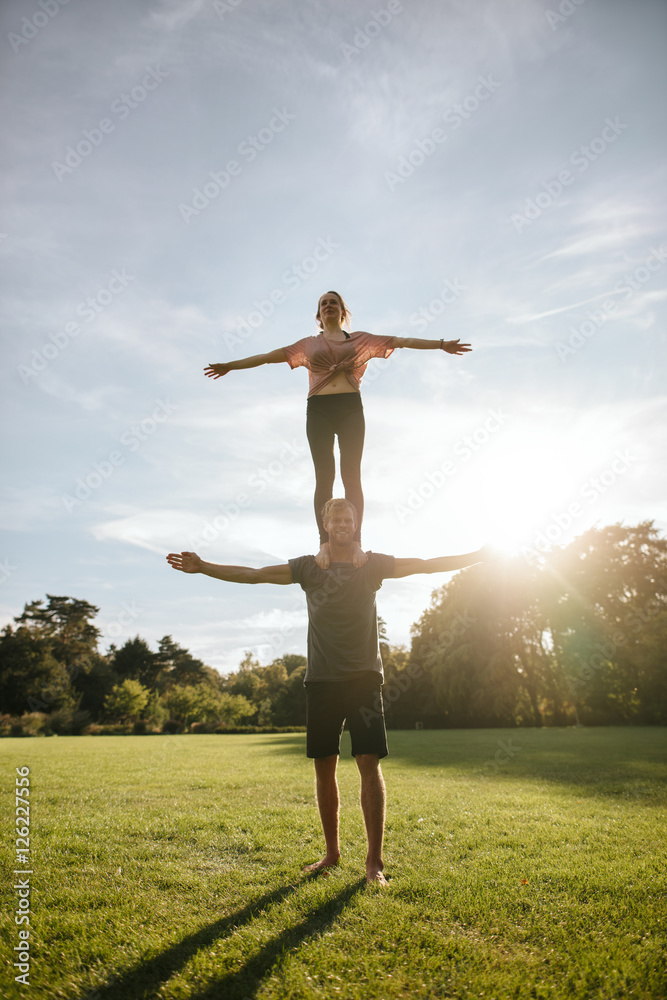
(441, 564)
(493, 554)
(216, 371)
(187, 562)
(455, 347)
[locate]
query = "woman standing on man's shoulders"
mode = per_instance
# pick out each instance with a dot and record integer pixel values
(336, 361)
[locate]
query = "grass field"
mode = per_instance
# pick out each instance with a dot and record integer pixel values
(169, 866)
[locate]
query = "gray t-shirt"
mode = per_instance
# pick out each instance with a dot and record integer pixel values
(342, 617)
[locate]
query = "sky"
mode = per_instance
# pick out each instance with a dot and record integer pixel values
(182, 180)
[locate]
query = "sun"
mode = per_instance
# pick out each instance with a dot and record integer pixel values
(523, 488)
(526, 491)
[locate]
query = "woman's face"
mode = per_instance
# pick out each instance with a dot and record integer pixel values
(329, 308)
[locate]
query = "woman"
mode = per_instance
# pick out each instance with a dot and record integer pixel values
(336, 361)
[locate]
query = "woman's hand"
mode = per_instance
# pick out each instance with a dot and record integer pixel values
(455, 347)
(215, 371)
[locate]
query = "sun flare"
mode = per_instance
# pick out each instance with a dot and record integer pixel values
(524, 487)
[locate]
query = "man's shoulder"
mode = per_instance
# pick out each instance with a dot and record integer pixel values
(303, 568)
(302, 561)
(382, 563)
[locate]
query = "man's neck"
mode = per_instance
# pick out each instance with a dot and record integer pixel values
(341, 553)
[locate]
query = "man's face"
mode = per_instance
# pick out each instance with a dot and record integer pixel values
(341, 525)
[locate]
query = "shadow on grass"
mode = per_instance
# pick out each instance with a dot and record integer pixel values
(246, 981)
(287, 744)
(145, 979)
(608, 762)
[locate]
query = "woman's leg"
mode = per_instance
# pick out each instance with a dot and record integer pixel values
(320, 434)
(351, 431)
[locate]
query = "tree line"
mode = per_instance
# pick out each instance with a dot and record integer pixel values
(574, 636)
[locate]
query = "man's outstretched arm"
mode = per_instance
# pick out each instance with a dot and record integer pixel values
(442, 564)
(189, 562)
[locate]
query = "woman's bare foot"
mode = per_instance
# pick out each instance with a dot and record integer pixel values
(359, 557)
(323, 559)
(319, 866)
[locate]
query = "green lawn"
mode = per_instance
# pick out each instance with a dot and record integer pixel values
(169, 866)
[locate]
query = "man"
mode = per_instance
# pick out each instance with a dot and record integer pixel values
(344, 673)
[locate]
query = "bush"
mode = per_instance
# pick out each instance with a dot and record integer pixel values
(110, 729)
(78, 722)
(139, 728)
(34, 723)
(60, 722)
(202, 727)
(16, 729)
(172, 726)
(94, 729)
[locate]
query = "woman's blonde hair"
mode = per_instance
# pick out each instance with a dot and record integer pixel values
(346, 314)
(332, 505)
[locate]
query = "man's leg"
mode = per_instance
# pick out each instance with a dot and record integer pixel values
(328, 802)
(373, 804)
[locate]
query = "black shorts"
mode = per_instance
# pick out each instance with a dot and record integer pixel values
(329, 704)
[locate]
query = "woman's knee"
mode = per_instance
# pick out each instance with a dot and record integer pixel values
(352, 484)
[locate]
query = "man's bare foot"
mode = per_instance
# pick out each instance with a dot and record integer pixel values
(322, 865)
(323, 559)
(374, 874)
(359, 557)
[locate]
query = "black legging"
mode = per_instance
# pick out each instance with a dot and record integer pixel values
(342, 414)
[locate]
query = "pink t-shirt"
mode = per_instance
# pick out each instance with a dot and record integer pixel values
(325, 358)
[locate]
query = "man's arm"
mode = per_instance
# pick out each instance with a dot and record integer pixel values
(450, 346)
(442, 564)
(189, 562)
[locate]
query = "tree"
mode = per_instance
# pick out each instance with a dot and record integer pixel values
(136, 660)
(578, 635)
(609, 610)
(292, 662)
(234, 709)
(94, 686)
(177, 665)
(276, 690)
(67, 623)
(182, 703)
(465, 643)
(31, 679)
(190, 703)
(246, 680)
(126, 701)
(289, 703)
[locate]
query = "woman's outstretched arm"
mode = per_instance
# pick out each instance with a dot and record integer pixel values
(272, 358)
(450, 346)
